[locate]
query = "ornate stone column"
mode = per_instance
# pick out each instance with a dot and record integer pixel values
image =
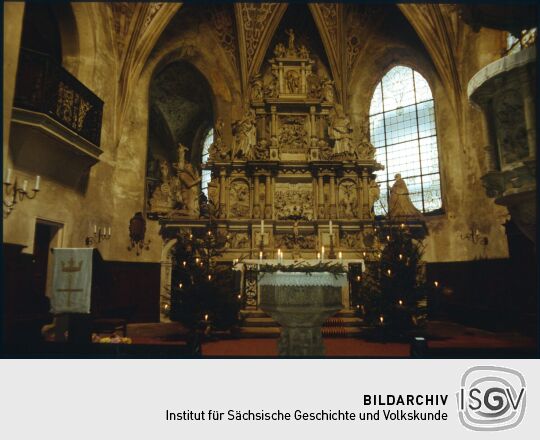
(222, 193)
(268, 203)
(333, 207)
(321, 198)
(366, 197)
(256, 198)
(359, 196)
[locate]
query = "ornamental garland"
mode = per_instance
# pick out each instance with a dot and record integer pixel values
(335, 268)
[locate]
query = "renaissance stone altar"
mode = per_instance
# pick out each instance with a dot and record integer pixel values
(295, 164)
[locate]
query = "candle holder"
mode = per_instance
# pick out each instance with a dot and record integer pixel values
(13, 193)
(99, 236)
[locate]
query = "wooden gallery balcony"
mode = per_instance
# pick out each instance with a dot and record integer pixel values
(56, 120)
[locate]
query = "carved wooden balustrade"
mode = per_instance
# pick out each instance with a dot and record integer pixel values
(46, 87)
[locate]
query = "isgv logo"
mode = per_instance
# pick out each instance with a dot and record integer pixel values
(491, 398)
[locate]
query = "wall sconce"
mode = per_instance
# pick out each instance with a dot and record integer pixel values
(100, 234)
(137, 231)
(14, 193)
(474, 236)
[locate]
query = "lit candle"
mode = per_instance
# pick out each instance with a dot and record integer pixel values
(184, 263)
(109, 231)
(180, 285)
(95, 229)
(279, 254)
(8, 175)
(340, 255)
(389, 272)
(381, 318)
(322, 253)
(436, 283)
(400, 302)
(206, 317)
(25, 185)
(209, 277)
(260, 255)
(38, 180)
(318, 255)
(330, 226)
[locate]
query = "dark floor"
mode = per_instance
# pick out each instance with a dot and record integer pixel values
(442, 335)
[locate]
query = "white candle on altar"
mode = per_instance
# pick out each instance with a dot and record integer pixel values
(8, 175)
(38, 179)
(330, 226)
(25, 185)
(262, 226)
(318, 255)
(95, 229)
(322, 253)
(260, 255)
(340, 255)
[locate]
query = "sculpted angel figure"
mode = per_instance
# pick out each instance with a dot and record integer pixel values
(291, 49)
(340, 129)
(245, 135)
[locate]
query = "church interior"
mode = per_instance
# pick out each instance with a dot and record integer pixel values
(264, 179)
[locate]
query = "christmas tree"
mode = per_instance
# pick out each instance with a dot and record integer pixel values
(393, 288)
(202, 292)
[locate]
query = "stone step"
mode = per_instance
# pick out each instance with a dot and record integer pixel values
(273, 332)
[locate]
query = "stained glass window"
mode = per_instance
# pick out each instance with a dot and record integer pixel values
(402, 130)
(206, 175)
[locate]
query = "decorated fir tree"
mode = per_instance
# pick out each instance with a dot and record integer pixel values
(202, 291)
(394, 288)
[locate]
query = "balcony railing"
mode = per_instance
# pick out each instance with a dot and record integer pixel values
(46, 87)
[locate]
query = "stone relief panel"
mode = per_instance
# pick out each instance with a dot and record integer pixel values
(348, 201)
(351, 240)
(510, 127)
(293, 136)
(239, 199)
(293, 201)
(238, 240)
(290, 241)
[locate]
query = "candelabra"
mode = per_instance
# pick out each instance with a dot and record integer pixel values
(100, 234)
(14, 193)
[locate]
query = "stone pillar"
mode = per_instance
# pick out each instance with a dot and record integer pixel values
(273, 126)
(256, 198)
(333, 207)
(321, 198)
(268, 204)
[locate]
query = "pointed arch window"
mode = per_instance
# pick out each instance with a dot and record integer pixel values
(402, 129)
(206, 175)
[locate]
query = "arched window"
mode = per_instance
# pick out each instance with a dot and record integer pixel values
(206, 175)
(402, 129)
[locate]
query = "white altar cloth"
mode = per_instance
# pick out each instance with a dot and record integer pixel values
(303, 279)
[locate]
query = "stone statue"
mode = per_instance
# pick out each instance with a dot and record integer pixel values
(279, 50)
(303, 52)
(218, 149)
(325, 150)
(162, 199)
(340, 130)
(260, 151)
(291, 49)
(400, 205)
(256, 89)
(271, 90)
(292, 78)
(245, 135)
(188, 189)
(313, 86)
(365, 149)
(328, 90)
(181, 155)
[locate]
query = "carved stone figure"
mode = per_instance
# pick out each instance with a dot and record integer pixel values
(313, 86)
(218, 150)
(293, 201)
(162, 199)
(325, 150)
(272, 88)
(291, 48)
(328, 90)
(348, 203)
(279, 50)
(292, 78)
(400, 205)
(239, 199)
(293, 135)
(365, 149)
(188, 189)
(238, 240)
(260, 151)
(245, 135)
(303, 52)
(256, 89)
(352, 240)
(340, 130)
